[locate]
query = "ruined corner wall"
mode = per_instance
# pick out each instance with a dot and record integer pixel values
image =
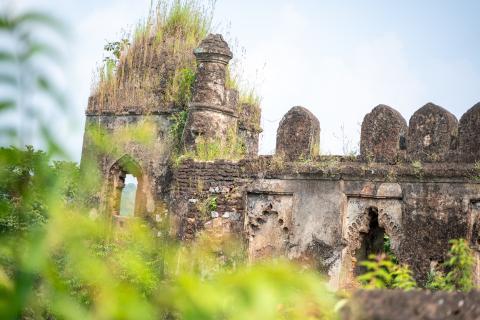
(120, 152)
(213, 114)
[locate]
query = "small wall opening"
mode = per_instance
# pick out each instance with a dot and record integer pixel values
(373, 242)
(128, 196)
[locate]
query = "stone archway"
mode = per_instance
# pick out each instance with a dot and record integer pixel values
(366, 222)
(116, 183)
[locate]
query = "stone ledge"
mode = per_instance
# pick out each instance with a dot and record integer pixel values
(413, 305)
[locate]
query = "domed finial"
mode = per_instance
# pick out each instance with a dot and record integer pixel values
(213, 48)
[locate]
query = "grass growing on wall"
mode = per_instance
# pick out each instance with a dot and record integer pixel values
(232, 148)
(154, 67)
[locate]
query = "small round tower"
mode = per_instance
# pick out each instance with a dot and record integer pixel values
(211, 115)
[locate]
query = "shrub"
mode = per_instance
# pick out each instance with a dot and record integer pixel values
(456, 272)
(383, 273)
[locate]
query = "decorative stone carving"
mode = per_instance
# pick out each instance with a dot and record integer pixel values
(469, 135)
(269, 223)
(383, 135)
(432, 134)
(356, 226)
(298, 135)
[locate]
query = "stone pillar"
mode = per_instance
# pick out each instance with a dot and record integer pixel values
(469, 135)
(298, 135)
(211, 115)
(432, 134)
(383, 136)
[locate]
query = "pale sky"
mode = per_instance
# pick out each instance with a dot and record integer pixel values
(337, 58)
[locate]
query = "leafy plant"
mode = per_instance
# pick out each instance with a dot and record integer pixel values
(212, 203)
(387, 248)
(456, 272)
(383, 273)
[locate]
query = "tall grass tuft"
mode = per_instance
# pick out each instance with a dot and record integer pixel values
(154, 70)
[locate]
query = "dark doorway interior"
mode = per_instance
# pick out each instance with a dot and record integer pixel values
(372, 242)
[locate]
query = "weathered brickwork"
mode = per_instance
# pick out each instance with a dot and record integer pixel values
(206, 191)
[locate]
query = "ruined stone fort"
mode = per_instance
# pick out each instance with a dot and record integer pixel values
(417, 183)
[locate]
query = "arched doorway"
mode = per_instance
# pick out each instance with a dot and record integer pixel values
(366, 223)
(122, 174)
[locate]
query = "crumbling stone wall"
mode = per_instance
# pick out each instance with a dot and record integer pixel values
(114, 158)
(249, 127)
(204, 194)
(421, 181)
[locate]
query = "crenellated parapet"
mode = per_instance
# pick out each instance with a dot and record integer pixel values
(417, 183)
(433, 135)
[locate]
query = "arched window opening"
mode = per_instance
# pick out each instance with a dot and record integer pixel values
(125, 189)
(373, 242)
(128, 196)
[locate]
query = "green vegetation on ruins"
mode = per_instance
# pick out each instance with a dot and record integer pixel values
(455, 274)
(153, 68)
